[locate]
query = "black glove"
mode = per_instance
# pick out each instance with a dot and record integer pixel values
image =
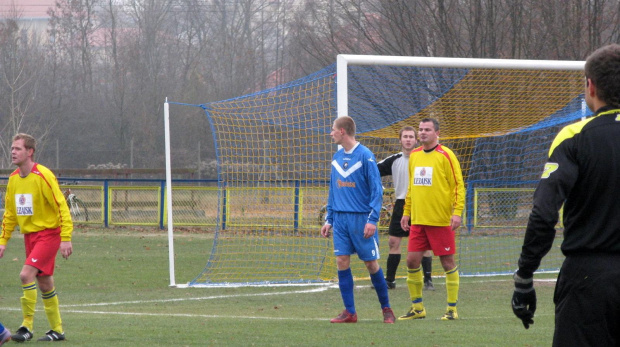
(524, 300)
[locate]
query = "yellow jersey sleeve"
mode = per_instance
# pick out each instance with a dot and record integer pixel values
(436, 187)
(35, 203)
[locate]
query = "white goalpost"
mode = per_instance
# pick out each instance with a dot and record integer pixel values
(344, 60)
(170, 223)
(267, 230)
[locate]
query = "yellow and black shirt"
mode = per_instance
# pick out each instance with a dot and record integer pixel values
(582, 173)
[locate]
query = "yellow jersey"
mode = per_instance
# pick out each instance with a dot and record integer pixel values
(436, 189)
(35, 203)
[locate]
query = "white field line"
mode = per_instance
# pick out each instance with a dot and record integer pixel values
(305, 291)
(314, 290)
(186, 315)
(191, 315)
(213, 297)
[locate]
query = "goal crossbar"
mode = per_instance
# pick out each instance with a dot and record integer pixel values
(344, 60)
(273, 153)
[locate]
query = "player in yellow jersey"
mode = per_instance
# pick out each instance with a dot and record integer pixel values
(397, 166)
(35, 202)
(433, 206)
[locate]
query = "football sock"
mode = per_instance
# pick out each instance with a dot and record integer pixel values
(392, 265)
(1, 328)
(28, 302)
(50, 304)
(415, 281)
(427, 265)
(381, 288)
(452, 286)
(345, 283)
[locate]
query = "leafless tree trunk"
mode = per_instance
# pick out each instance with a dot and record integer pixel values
(452, 28)
(21, 62)
(72, 26)
(107, 65)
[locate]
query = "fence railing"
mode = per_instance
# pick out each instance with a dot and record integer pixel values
(500, 204)
(138, 202)
(142, 202)
(291, 204)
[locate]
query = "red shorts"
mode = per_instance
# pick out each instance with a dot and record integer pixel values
(41, 250)
(439, 239)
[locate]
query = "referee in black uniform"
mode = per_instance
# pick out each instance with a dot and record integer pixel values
(583, 173)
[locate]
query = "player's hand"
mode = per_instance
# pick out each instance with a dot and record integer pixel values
(369, 230)
(66, 249)
(2, 248)
(325, 230)
(455, 222)
(404, 223)
(524, 300)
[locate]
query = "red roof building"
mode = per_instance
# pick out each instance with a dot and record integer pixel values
(26, 9)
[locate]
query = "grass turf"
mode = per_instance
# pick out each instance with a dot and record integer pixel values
(114, 291)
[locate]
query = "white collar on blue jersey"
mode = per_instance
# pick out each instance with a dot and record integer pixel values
(352, 149)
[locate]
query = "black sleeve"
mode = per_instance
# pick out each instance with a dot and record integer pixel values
(557, 180)
(385, 165)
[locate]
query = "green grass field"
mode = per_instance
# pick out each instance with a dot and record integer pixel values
(114, 290)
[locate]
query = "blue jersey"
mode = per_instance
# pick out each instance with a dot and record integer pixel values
(355, 184)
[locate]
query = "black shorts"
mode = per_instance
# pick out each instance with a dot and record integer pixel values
(587, 301)
(397, 214)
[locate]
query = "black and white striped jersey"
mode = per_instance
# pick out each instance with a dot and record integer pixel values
(582, 173)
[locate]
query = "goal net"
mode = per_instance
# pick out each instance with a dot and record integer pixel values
(274, 152)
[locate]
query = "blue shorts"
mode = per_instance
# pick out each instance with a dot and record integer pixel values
(349, 236)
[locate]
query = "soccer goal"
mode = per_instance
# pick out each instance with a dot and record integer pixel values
(274, 150)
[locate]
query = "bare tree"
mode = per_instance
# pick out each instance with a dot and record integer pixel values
(108, 65)
(21, 61)
(238, 40)
(71, 28)
(453, 28)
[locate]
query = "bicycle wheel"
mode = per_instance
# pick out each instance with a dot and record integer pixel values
(78, 210)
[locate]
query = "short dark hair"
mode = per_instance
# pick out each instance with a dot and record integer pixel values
(603, 68)
(406, 128)
(347, 123)
(433, 120)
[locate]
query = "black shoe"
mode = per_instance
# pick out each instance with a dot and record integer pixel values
(52, 336)
(428, 285)
(22, 334)
(391, 284)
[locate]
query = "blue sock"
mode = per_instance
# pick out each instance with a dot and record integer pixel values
(345, 283)
(378, 281)
(1, 328)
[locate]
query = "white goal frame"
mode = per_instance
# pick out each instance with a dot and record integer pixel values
(342, 63)
(344, 60)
